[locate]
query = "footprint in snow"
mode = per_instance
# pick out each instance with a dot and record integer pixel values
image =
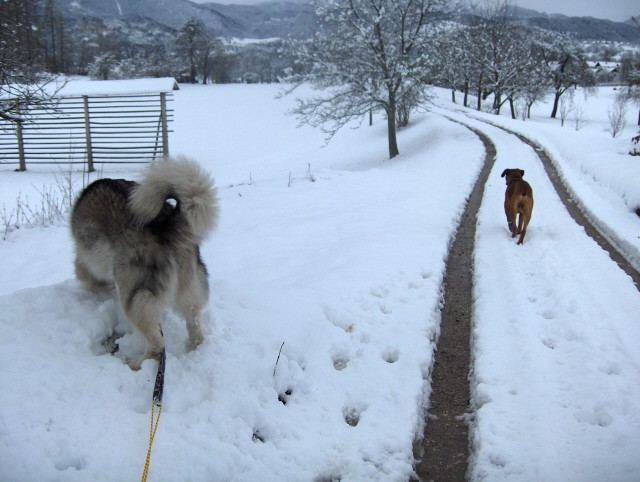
(340, 361)
(390, 356)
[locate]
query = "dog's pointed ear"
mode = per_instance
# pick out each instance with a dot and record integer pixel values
(504, 173)
(522, 172)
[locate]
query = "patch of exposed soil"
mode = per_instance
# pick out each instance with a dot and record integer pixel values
(443, 451)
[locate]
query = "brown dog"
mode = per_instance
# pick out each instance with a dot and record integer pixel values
(517, 200)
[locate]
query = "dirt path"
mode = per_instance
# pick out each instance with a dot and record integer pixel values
(443, 451)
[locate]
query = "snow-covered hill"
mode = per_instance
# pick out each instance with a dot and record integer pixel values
(336, 254)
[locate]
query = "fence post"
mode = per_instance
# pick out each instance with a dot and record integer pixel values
(87, 130)
(22, 165)
(163, 117)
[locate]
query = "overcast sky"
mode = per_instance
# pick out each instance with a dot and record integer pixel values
(618, 10)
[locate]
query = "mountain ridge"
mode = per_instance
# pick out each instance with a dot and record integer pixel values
(286, 18)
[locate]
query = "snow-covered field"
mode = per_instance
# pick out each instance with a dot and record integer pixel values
(336, 255)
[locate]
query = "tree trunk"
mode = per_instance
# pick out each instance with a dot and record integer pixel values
(466, 94)
(453, 95)
(391, 124)
(513, 108)
(556, 102)
(391, 130)
(497, 102)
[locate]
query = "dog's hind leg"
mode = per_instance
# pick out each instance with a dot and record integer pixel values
(191, 297)
(142, 309)
(513, 222)
(522, 226)
(507, 208)
(189, 306)
(194, 331)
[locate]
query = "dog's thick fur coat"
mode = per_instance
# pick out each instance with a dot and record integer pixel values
(518, 200)
(143, 239)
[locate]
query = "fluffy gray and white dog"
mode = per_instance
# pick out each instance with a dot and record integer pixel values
(143, 239)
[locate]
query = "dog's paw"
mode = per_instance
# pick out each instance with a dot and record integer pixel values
(148, 355)
(194, 342)
(195, 336)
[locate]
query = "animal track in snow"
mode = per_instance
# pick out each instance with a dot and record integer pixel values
(340, 361)
(414, 285)
(549, 343)
(257, 437)
(390, 356)
(379, 292)
(66, 462)
(283, 397)
(351, 416)
(548, 314)
(336, 320)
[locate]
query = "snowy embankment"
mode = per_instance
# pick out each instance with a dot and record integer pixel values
(338, 253)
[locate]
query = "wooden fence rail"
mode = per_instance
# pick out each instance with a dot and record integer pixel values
(89, 129)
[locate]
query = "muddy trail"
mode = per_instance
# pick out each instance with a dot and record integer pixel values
(443, 450)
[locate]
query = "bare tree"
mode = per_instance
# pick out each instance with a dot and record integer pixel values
(567, 67)
(22, 82)
(617, 114)
(506, 53)
(454, 59)
(53, 38)
(372, 55)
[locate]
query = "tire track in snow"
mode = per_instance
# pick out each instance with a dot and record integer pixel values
(443, 450)
(442, 453)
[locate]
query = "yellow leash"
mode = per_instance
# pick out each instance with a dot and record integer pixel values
(156, 402)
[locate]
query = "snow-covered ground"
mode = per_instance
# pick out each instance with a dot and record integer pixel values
(336, 254)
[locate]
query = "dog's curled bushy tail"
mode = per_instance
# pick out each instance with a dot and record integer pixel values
(185, 181)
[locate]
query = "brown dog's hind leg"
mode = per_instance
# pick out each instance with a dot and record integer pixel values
(524, 221)
(513, 223)
(520, 222)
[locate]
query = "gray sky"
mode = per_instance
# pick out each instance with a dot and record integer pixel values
(618, 10)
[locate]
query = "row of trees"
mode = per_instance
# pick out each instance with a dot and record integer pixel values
(370, 55)
(493, 57)
(381, 55)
